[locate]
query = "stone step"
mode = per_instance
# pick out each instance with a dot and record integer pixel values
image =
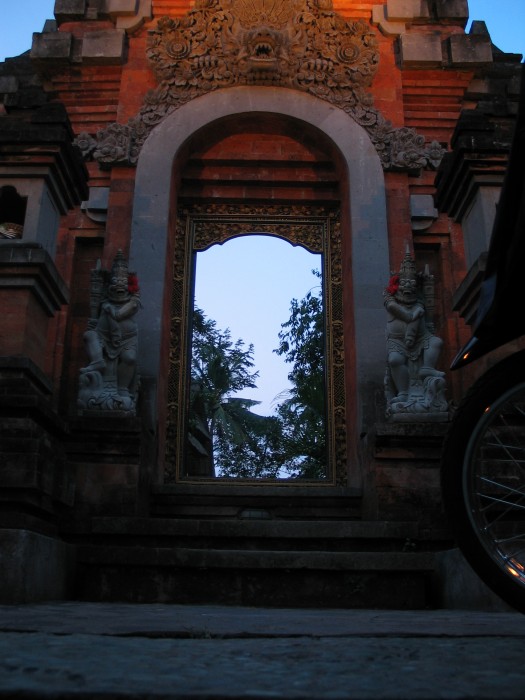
(255, 534)
(231, 500)
(283, 563)
(246, 559)
(387, 580)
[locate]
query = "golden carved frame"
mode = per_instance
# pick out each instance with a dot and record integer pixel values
(318, 230)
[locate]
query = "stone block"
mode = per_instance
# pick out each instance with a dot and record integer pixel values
(131, 23)
(24, 377)
(69, 10)
(96, 207)
(116, 8)
(50, 25)
(422, 211)
(460, 588)
(422, 206)
(469, 50)
(8, 84)
(53, 47)
(478, 89)
(98, 198)
(103, 47)
(387, 27)
(406, 10)
(452, 10)
(420, 51)
(34, 567)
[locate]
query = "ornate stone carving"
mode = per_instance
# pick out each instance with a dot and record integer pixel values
(300, 44)
(414, 388)
(109, 382)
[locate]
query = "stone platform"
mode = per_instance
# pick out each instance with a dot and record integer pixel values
(94, 650)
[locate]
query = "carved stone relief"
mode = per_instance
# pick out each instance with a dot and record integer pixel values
(414, 387)
(301, 44)
(109, 382)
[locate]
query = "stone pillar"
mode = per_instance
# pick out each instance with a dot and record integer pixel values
(31, 293)
(35, 484)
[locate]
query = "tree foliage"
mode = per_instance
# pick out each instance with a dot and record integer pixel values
(225, 437)
(302, 411)
(219, 369)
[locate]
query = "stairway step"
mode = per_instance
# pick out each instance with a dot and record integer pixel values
(303, 529)
(261, 535)
(393, 580)
(233, 500)
(248, 559)
(255, 562)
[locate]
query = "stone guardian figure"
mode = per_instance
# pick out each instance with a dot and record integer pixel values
(109, 382)
(414, 387)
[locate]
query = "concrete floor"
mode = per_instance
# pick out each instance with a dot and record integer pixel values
(92, 650)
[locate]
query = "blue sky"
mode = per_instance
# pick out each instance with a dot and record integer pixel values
(18, 20)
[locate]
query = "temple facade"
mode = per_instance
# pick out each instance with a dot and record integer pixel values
(136, 134)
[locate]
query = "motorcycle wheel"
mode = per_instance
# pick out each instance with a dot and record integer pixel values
(483, 478)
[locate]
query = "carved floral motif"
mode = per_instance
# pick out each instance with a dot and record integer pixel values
(299, 44)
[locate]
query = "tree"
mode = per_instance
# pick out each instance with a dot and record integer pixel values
(259, 455)
(219, 369)
(302, 412)
(225, 437)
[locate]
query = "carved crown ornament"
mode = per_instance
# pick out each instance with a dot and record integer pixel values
(299, 44)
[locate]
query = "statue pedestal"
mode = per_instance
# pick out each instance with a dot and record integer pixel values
(441, 417)
(404, 477)
(98, 394)
(426, 402)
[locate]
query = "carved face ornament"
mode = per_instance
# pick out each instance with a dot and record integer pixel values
(407, 291)
(118, 289)
(263, 49)
(118, 283)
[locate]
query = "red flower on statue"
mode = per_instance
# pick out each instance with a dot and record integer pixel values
(133, 283)
(393, 285)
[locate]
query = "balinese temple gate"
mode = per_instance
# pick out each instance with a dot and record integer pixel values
(140, 138)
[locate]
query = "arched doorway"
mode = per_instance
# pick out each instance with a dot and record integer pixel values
(252, 184)
(160, 188)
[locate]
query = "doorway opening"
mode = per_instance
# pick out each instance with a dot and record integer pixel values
(256, 404)
(272, 182)
(217, 429)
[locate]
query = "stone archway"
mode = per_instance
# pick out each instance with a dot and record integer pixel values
(364, 208)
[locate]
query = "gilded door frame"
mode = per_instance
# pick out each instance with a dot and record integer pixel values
(317, 229)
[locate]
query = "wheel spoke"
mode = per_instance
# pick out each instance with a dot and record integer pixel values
(497, 506)
(489, 498)
(506, 448)
(502, 486)
(514, 538)
(493, 499)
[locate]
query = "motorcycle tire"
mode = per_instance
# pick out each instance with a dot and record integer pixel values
(483, 478)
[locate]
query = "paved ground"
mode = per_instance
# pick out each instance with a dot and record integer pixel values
(80, 650)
